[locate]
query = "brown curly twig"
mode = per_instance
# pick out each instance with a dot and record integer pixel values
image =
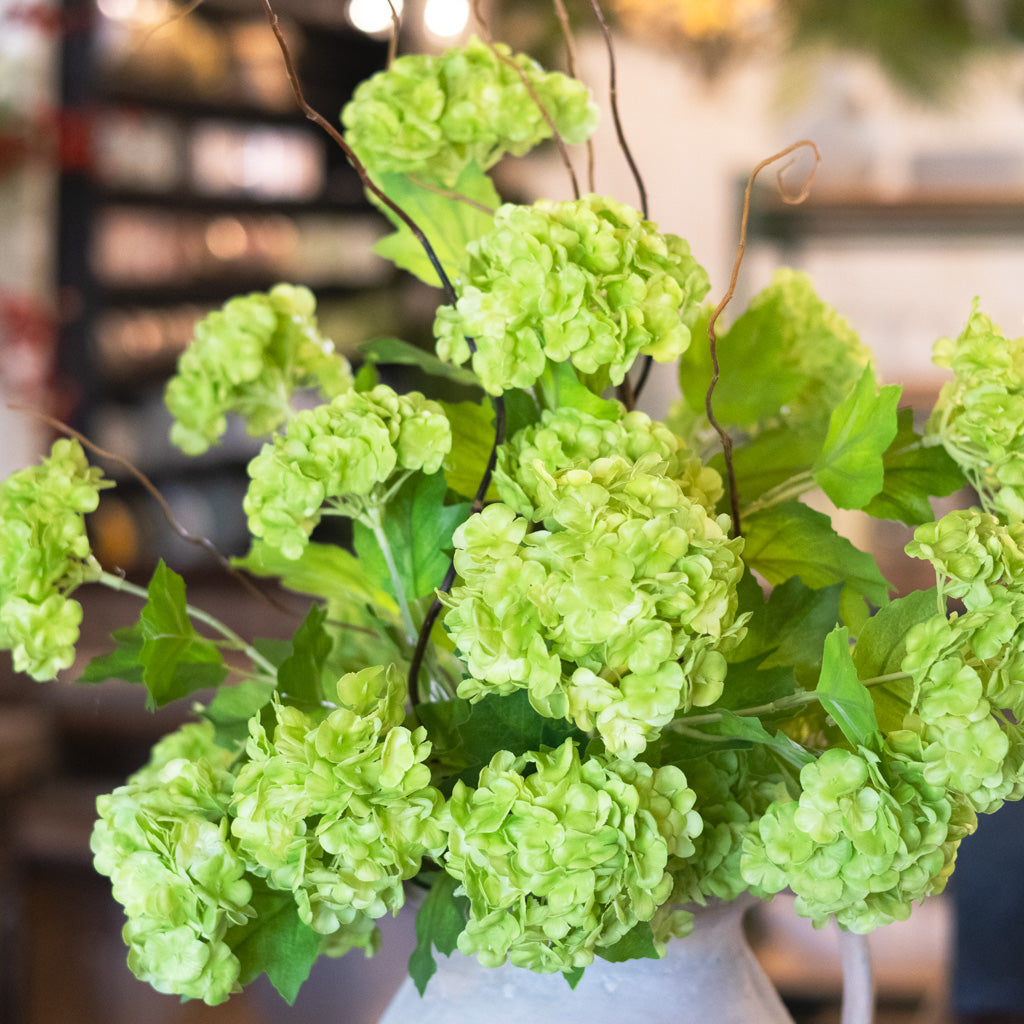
(202, 542)
(570, 51)
(798, 197)
(396, 28)
(563, 150)
(318, 119)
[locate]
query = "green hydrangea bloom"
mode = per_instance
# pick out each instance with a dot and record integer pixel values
(979, 415)
(972, 552)
(163, 840)
(587, 281)
(343, 453)
(861, 843)
(249, 357)
(567, 439)
(560, 857)
(433, 116)
(337, 808)
(44, 556)
(615, 614)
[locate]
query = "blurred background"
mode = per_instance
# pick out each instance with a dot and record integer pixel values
(153, 163)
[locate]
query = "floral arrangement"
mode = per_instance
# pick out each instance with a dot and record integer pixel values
(579, 668)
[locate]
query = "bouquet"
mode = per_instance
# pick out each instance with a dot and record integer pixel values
(578, 669)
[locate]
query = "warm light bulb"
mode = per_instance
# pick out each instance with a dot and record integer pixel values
(446, 18)
(372, 16)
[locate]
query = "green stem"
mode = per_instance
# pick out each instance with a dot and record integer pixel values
(235, 641)
(794, 700)
(372, 518)
(792, 488)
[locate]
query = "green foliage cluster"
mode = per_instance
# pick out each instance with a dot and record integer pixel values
(579, 667)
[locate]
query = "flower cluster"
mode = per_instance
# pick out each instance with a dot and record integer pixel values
(249, 357)
(336, 807)
(616, 614)
(44, 556)
(163, 840)
(346, 449)
(865, 840)
(979, 415)
(587, 281)
(434, 116)
(560, 857)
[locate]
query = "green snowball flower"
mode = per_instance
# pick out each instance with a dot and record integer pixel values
(615, 610)
(979, 415)
(249, 357)
(336, 806)
(45, 555)
(560, 857)
(587, 281)
(433, 116)
(344, 453)
(163, 840)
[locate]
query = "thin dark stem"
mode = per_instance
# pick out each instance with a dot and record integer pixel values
(528, 86)
(613, 94)
(449, 578)
(799, 197)
(645, 372)
(202, 542)
(336, 136)
(570, 51)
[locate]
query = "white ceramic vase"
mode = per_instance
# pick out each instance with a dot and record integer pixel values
(710, 977)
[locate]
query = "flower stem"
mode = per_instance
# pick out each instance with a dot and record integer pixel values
(234, 640)
(371, 517)
(793, 700)
(792, 488)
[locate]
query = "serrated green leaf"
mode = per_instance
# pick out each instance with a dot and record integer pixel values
(275, 942)
(122, 663)
(850, 468)
(472, 441)
(914, 473)
(395, 352)
(773, 457)
(448, 224)
(300, 674)
(636, 944)
(175, 659)
(439, 922)
(790, 539)
(418, 527)
(562, 387)
(752, 730)
(790, 626)
(844, 696)
(882, 642)
(232, 708)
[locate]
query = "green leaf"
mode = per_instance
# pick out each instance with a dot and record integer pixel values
(275, 942)
(395, 352)
(467, 736)
(850, 468)
(773, 457)
(175, 659)
(300, 675)
(122, 663)
(439, 922)
(448, 224)
(790, 627)
(790, 539)
(322, 570)
(573, 977)
(914, 472)
(232, 708)
(472, 441)
(636, 944)
(844, 696)
(882, 643)
(562, 387)
(418, 527)
(752, 729)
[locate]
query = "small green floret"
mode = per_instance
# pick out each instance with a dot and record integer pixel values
(433, 116)
(586, 281)
(44, 556)
(248, 358)
(560, 857)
